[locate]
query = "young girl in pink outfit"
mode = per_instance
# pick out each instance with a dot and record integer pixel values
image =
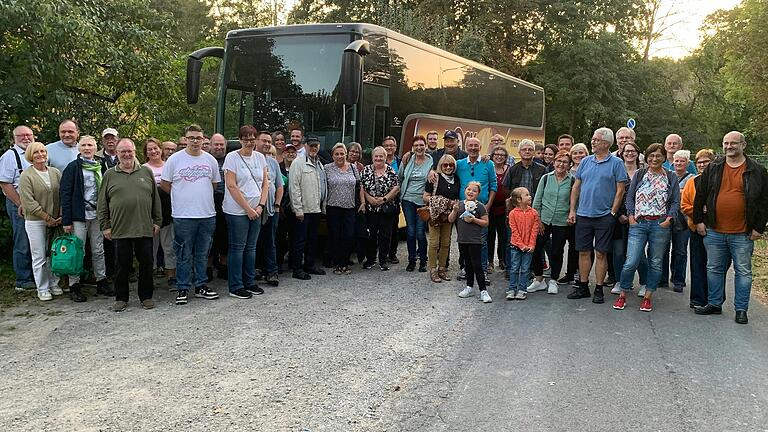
(524, 224)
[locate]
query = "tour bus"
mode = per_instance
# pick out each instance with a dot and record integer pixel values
(362, 82)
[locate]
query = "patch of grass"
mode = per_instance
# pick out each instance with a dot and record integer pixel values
(760, 269)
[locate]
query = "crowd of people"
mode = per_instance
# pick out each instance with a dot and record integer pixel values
(196, 209)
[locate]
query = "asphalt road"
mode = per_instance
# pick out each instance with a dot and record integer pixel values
(379, 351)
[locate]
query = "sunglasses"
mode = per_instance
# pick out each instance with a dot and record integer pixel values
(448, 165)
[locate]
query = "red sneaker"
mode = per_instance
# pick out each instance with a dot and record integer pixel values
(645, 306)
(620, 302)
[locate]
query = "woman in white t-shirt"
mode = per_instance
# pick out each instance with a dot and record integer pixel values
(245, 195)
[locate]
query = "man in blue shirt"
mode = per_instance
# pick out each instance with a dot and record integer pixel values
(472, 168)
(672, 144)
(64, 151)
(597, 193)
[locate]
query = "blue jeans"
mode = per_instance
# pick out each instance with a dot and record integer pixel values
(191, 243)
(243, 234)
(266, 245)
(721, 250)
(620, 256)
(416, 230)
(519, 268)
(650, 233)
(22, 258)
(699, 291)
(679, 258)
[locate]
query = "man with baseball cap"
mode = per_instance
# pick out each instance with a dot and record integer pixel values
(109, 137)
(450, 146)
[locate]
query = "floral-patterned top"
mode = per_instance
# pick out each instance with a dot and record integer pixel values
(378, 186)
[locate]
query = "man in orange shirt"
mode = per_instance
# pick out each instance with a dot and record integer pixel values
(730, 210)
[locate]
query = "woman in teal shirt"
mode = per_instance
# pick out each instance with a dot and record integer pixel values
(413, 173)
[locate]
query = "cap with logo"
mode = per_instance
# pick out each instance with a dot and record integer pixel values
(109, 131)
(450, 135)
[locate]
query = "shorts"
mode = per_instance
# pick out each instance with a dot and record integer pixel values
(594, 233)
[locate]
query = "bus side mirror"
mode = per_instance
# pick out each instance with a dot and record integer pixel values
(352, 71)
(194, 65)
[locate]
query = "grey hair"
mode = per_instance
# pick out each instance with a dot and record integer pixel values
(631, 131)
(355, 145)
(526, 141)
(685, 154)
(606, 133)
(338, 146)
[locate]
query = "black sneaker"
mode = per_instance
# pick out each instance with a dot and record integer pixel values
(368, 265)
(315, 271)
(182, 297)
(393, 259)
(76, 293)
(206, 293)
(609, 281)
(255, 290)
(273, 279)
(422, 267)
(411, 266)
(242, 293)
(566, 280)
(384, 267)
(300, 274)
(598, 297)
(104, 288)
(579, 293)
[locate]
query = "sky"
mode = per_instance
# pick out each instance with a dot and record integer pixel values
(687, 16)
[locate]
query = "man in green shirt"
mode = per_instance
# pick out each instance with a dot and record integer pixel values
(129, 215)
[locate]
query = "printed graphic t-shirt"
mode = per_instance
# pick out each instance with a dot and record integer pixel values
(191, 179)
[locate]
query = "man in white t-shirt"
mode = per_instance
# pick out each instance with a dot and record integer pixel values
(64, 151)
(190, 176)
(297, 139)
(12, 163)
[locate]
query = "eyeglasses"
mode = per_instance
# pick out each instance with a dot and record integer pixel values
(499, 154)
(562, 162)
(195, 139)
(23, 135)
(703, 161)
(629, 152)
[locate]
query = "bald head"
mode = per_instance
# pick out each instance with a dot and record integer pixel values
(218, 146)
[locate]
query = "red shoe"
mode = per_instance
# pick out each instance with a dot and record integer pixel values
(645, 306)
(620, 302)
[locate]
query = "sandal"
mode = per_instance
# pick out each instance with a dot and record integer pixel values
(443, 274)
(434, 276)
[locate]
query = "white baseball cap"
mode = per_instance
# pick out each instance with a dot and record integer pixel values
(109, 131)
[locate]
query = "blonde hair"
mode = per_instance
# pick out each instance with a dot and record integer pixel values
(32, 148)
(705, 152)
(474, 184)
(446, 159)
(339, 146)
(516, 195)
(579, 146)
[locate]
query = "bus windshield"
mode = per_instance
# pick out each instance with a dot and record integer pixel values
(276, 81)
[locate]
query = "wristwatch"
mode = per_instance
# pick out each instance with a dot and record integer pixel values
(262, 206)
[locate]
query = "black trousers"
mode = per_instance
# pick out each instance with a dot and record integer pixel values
(472, 264)
(125, 250)
(573, 255)
(380, 235)
(304, 245)
(557, 236)
(284, 239)
(497, 227)
(341, 231)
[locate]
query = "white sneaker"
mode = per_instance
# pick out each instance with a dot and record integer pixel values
(466, 292)
(44, 295)
(56, 290)
(641, 291)
(616, 289)
(510, 295)
(521, 295)
(485, 297)
(537, 286)
(552, 287)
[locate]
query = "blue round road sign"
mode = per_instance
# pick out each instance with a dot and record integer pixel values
(631, 123)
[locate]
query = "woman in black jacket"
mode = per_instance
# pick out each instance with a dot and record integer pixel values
(78, 194)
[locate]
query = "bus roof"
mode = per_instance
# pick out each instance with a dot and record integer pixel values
(364, 29)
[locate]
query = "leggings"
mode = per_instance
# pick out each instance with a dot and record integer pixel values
(472, 264)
